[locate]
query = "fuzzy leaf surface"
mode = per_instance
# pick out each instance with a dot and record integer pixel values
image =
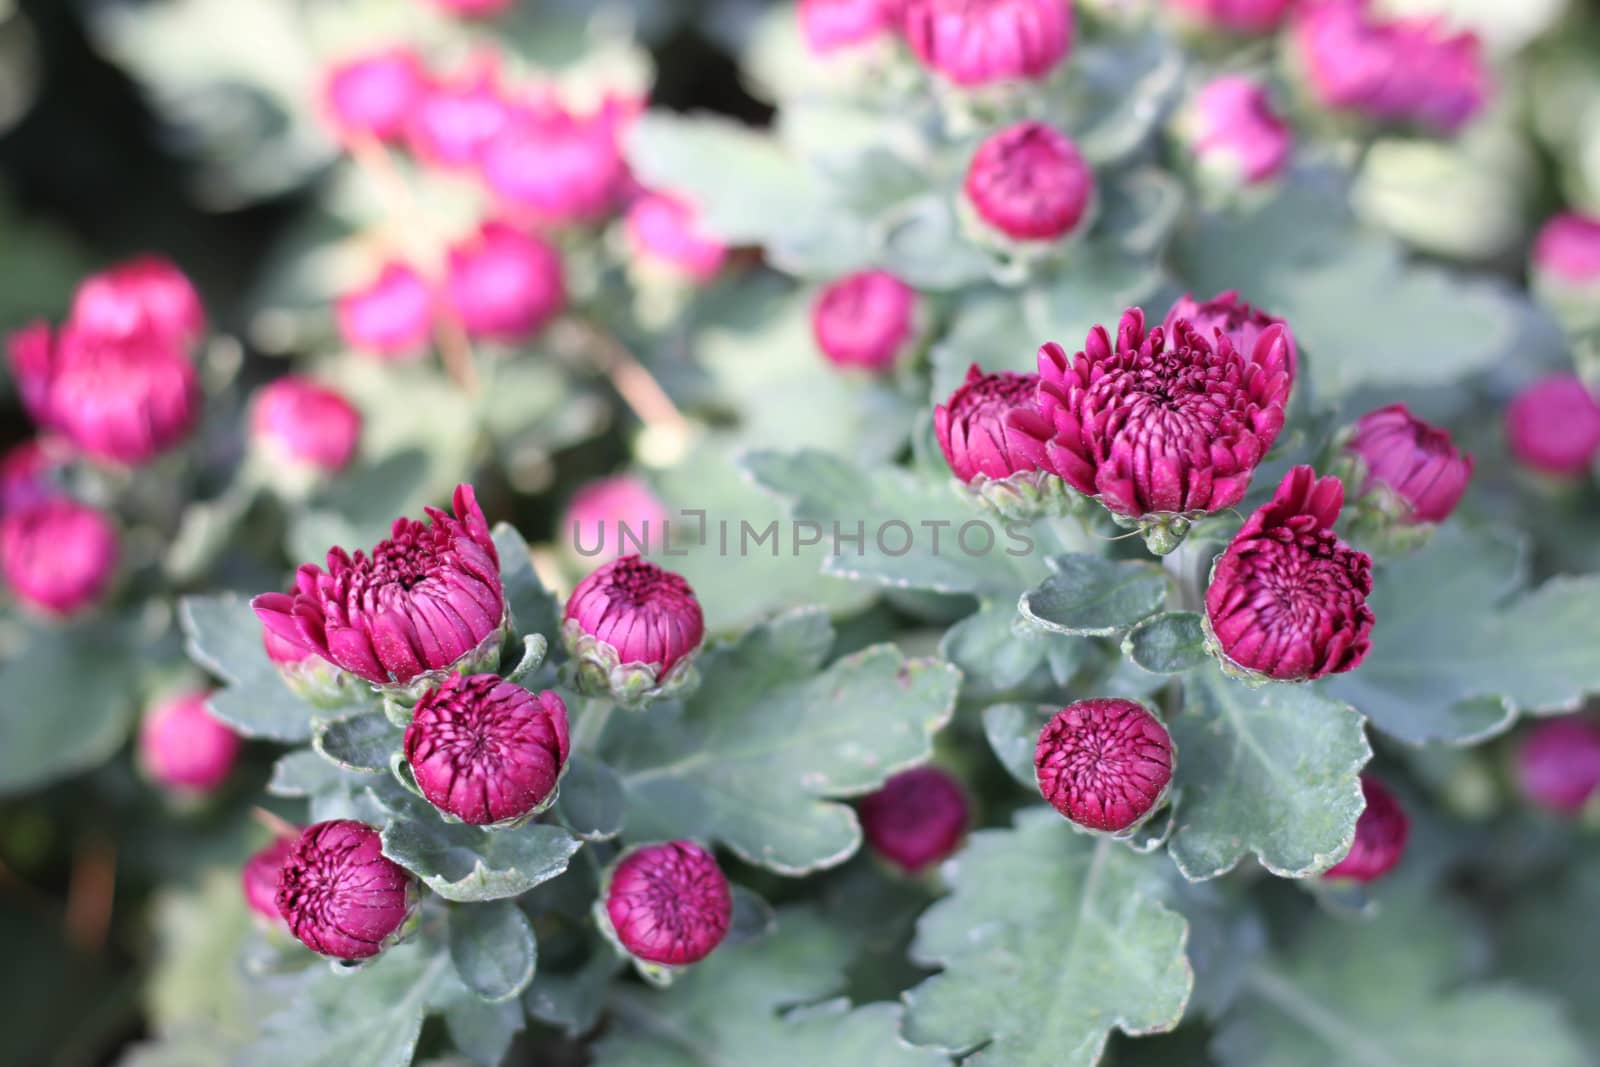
(1086, 596)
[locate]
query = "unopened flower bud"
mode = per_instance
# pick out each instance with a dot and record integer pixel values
(1566, 268)
(663, 233)
(559, 167)
(1242, 323)
(27, 471)
(831, 26)
(339, 893)
(1380, 840)
(668, 905)
(487, 751)
(391, 317)
(980, 42)
(633, 630)
(306, 673)
(474, 9)
(1407, 475)
(303, 425)
(148, 293)
(503, 284)
(182, 748)
(866, 320)
(259, 878)
(58, 556)
(916, 819)
(1235, 133)
(1027, 184)
(1104, 763)
(608, 514)
(1233, 16)
(373, 96)
(1553, 427)
(1557, 764)
(992, 435)
(1288, 599)
(457, 117)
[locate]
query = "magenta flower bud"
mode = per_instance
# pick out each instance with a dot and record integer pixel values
(184, 749)
(1236, 133)
(666, 904)
(866, 320)
(474, 9)
(426, 601)
(1408, 70)
(559, 167)
(374, 96)
(1566, 269)
(259, 878)
(148, 293)
(339, 893)
(830, 26)
(1028, 182)
(305, 425)
(503, 284)
(607, 514)
(1288, 599)
(1234, 16)
(1381, 834)
(977, 426)
(1553, 427)
(664, 231)
(1243, 323)
(979, 42)
(457, 117)
(633, 629)
(916, 819)
(487, 751)
(1104, 763)
(306, 673)
(1557, 764)
(1409, 469)
(58, 556)
(392, 316)
(27, 472)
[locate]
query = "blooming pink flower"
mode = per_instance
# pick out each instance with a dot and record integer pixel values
(992, 427)
(1396, 70)
(1288, 599)
(26, 472)
(183, 748)
(606, 512)
(1029, 182)
(486, 750)
(559, 167)
(374, 95)
(977, 42)
(57, 555)
(456, 117)
(1104, 763)
(644, 613)
(1558, 764)
(1568, 248)
(259, 877)
(664, 229)
(865, 320)
(1162, 423)
(148, 293)
(1241, 322)
(669, 904)
(474, 9)
(392, 316)
(306, 424)
(339, 893)
(832, 25)
(1554, 426)
(503, 284)
(1235, 128)
(1236, 16)
(1381, 834)
(1413, 460)
(916, 819)
(427, 599)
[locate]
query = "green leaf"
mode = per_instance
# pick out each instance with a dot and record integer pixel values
(1454, 626)
(573, 1000)
(726, 1010)
(591, 803)
(1050, 940)
(482, 1031)
(1170, 643)
(1013, 733)
(224, 637)
(534, 609)
(991, 650)
(1389, 992)
(1086, 596)
(360, 742)
(492, 948)
(1550, 940)
(761, 754)
(1272, 770)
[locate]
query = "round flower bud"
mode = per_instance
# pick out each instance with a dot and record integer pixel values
(184, 749)
(559, 167)
(992, 435)
(391, 316)
(1553, 427)
(1028, 182)
(916, 819)
(1407, 469)
(666, 904)
(1557, 764)
(1381, 834)
(979, 42)
(487, 751)
(830, 26)
(374, 96)
(305, 425)
(1104, 763)
(1288, 599)
(503, 284)
(426, 601)
(457, 117)
(259, 878)
(1233, 16)
(633, 629)
(1243, 324)
(58, 556)
(607, 514)
(1566, 268)
(27, 472)
(339, 893)
(1406, 70)
(663, 233)
(148, 293)
(1235, 133)
(866, 321)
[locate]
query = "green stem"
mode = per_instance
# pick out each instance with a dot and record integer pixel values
(591, 725)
